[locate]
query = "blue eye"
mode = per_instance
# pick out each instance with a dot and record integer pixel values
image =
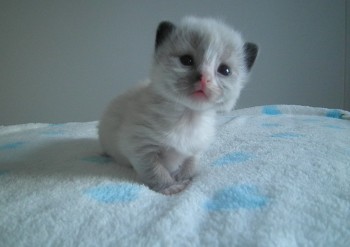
(187, 60)
(224, 70)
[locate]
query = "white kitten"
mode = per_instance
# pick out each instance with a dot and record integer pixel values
(160, 128)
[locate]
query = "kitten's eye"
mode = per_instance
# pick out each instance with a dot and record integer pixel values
(224, 70)
(187, 60)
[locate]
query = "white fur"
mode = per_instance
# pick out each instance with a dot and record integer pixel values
(159, 128)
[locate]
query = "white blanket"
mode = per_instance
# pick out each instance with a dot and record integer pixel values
(275, 176)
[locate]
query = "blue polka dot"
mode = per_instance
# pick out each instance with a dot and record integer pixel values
(237, 197)
(11, 145)
(271, 110)
(287, 135)
(98, 159)
(334, 114)
(114, 193)
(232, 158)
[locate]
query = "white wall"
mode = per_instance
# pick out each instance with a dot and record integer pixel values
(64, 60)
(347, 63)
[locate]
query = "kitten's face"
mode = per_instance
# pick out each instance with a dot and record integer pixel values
(201, 64)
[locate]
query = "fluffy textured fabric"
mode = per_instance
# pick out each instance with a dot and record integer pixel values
(275, 176)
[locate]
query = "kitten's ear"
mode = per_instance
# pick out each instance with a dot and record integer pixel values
(165, 28)
(251, 51)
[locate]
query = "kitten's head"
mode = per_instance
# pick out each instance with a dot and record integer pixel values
(201, 63)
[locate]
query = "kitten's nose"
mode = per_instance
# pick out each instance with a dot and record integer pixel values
(203, 78)
(204, 81)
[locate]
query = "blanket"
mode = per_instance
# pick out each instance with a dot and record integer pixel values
(275, 176)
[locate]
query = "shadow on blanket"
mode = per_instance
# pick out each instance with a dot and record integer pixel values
(67, 159)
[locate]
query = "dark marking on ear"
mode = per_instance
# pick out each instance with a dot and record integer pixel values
(251, 51)
(165, 28)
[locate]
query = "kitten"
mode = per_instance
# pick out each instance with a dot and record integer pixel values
(160, 128)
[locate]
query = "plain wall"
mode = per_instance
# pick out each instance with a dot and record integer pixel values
(347, 62)
(63, 61)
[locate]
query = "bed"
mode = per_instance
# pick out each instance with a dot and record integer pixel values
(276, 175)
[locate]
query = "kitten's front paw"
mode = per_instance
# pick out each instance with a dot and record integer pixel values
(182, 176)
(186, 171)
(175, 188)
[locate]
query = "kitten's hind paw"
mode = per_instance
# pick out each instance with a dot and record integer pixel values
(175, 188)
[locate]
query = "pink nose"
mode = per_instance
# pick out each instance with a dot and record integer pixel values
(204, 81)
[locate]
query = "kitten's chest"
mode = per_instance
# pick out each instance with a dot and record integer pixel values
(191, 133)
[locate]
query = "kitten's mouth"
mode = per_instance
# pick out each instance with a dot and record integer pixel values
(200, 95)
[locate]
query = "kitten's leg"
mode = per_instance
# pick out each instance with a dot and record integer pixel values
(175, 188)
(187, 170)
(156, 176)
